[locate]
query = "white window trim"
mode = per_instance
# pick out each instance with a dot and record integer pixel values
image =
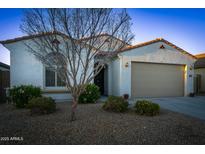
(51, 87)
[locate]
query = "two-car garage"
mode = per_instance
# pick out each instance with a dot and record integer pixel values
(156, 68)
(157, 79)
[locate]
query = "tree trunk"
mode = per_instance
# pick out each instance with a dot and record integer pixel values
(73, 110)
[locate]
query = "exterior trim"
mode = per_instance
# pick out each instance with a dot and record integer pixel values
(4, 65)
(105, 34)
(44, 34)
(31, 37)
(57, 33)
(81, 40)
(157, 63)
(154, 41)
(202, 55)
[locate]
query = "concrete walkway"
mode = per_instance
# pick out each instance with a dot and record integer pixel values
(193, 106)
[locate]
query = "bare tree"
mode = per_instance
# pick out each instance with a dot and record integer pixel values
(76, 43)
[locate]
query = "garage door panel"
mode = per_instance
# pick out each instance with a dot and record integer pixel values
(157, 80)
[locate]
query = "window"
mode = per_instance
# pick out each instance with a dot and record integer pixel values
(60, 83)
(52, 79)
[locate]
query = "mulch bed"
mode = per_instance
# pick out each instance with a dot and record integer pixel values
(96, 126)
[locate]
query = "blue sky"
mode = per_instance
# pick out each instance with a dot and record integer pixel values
(183, 27)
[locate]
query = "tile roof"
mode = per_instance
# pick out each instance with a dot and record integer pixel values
(39, 35)
(56, 33)
(51, 33)
(154, 41)
(129, 47)
(200, 63)
(30, 37)
(4, 65)
(202, 55)
(105, 34)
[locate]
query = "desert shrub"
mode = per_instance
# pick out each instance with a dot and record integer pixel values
(41, 105)
(20, 95)
(144, 107)
(90, 95)
(115, 104)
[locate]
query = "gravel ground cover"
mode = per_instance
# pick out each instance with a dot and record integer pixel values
(96, 126)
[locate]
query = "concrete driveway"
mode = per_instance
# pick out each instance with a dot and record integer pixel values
(193, 106)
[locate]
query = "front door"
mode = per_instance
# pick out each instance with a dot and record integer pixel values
(99, 81)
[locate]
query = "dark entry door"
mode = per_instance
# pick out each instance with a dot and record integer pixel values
(99, 81)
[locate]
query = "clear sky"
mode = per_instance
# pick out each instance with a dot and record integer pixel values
(183, 27)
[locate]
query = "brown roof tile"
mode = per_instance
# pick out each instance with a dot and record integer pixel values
(105, 34)
(154, 41)
(36, 36)
(200, 63)
(4, 65)
(51, 33)
(122, 50)
(30, 37)
(202, 55)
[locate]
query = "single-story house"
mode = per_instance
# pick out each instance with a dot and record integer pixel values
(4, 80)
(200, 74)
(156, 68)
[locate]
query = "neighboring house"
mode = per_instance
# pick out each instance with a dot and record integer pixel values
(200, 74)
(4, 80)
(156, 68)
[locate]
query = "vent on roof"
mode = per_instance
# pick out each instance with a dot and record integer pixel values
(162, 47)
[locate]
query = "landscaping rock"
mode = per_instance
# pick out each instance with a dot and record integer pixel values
(96, 126)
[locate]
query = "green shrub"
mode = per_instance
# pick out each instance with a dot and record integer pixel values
(144, 107)
(115, 104)
(41, 105)
(90, 95)
(20, 95)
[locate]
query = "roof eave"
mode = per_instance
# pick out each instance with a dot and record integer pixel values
(154, 41)
(4, 65)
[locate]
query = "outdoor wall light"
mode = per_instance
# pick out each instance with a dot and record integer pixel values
(191, 67)
(127, 64)
(56, 43)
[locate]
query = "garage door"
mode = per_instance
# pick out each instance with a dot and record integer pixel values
(157, 80)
